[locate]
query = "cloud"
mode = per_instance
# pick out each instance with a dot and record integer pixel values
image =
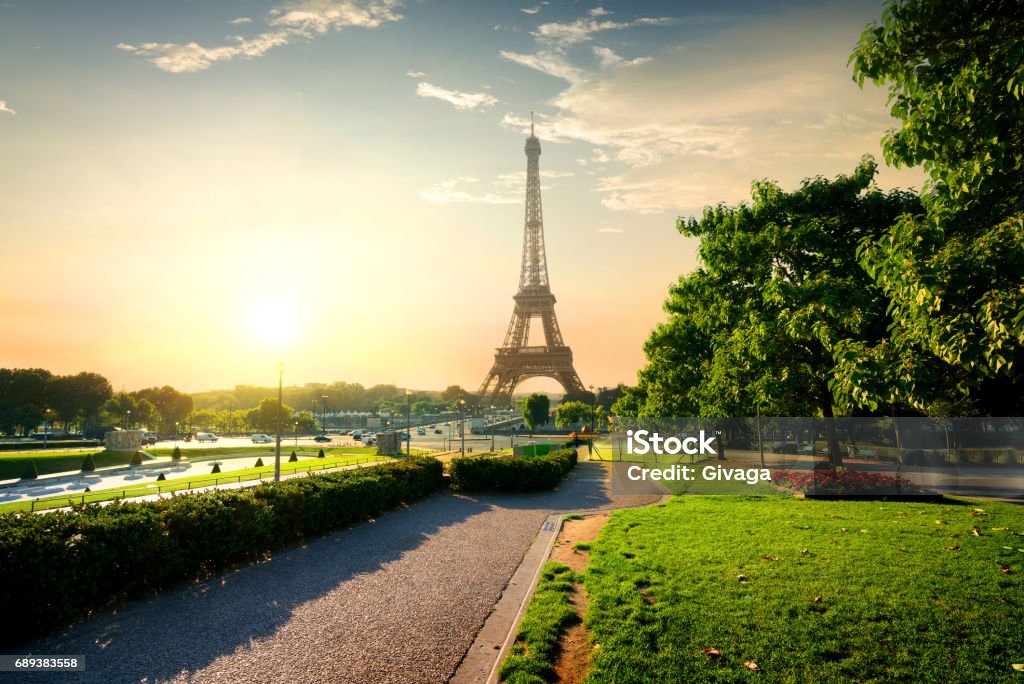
(507, 188)
(178, 59)
(5, 109)
(548, 62)
(565, 34)
(457, 99)
(415, 74)
(241, 20)
(598, 12)
(609, 230)
(695, 123)
(532, 10)
(454, 190)
(300, 19)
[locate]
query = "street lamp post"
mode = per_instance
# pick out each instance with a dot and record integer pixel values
(491, 419)
(462, 428)
(295, 432)
(408, 423)
(175, 434)
(323, 414)
(128, 420)
(593, 406)
(277, 447)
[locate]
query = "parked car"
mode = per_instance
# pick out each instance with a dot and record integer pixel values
(260, 438)
(420, 431)
(206, 437)
(321, 438)
(357, 434)
(438, 431)
(149, 437)
(369, 440)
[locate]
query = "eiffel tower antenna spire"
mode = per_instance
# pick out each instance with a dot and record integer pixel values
(516, 360)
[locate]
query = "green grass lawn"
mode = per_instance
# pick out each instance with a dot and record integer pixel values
(286, 448)
(152, 486)
(12, 466)
(810, 591)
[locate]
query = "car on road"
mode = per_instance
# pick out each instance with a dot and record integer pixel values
(260, 438)
(438, 431)
(357, 434)
(321, 438)
(420, 431)
(149, 437)
(206, 437)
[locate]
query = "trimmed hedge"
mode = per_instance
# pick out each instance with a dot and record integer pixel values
(58, 568)
(511, 473)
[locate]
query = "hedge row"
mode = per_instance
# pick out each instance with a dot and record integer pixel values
(56, 569)
(511, 473)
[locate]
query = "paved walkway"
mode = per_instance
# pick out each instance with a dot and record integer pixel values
(399, 599)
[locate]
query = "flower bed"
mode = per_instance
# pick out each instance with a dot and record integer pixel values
(837, 483)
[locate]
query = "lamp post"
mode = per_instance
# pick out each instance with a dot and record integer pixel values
(128, 420)
(295, 432)
(323, 414)
(408, 423)
(46, 430)
(175, 434)
(277, 447)
(462, 429)
(593, 406)
(491, 418)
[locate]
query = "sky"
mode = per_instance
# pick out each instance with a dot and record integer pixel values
(196, 191)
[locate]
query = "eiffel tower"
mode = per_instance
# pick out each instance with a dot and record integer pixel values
(515, 360)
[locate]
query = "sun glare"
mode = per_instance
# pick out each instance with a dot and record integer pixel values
(271, 323)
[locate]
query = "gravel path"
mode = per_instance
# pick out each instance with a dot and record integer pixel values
(399, 599)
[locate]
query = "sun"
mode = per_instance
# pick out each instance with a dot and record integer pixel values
(272, 322)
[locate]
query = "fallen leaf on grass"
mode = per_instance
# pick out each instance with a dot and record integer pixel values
(1005, 569)
(816, 599)
(804, 552)
(751, 665)
(901, 549)
(770, 558)
(1019, 667)
(952, 548)
(711, 652)
(741, 578)
(975, 532)
(999, 529)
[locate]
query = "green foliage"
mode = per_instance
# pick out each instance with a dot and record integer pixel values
(60, 567)
(532, 658)
(572, 412)
(955, 275)
(176, 454)
(764, 320)
(320, 454)
(88, 464)
(216, 468)
(161, 477)
(259, 463)
(293, 458)
(136, 459)
(264, 416)
(536, 410)
(510, 473)
(31, 471)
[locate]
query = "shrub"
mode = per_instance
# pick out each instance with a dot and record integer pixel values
(510, 473)
(828, 481)
(293, 458)
(60, 567)
(259, 463)
(978, 456)
(31, 471)
(89, 464)
(216, 468)
(161, 477)
(176, 454)
(321, 454)
(136, 459)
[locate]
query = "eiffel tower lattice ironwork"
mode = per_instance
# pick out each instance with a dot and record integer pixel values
(516, 361)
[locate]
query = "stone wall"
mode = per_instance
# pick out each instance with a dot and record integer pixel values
(123, 440)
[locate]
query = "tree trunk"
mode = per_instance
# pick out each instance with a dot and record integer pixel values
(835, 458)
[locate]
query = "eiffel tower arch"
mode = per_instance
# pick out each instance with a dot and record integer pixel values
(516, 361)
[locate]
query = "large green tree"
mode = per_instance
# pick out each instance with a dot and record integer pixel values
(536, 409)
(171, 405)
(954, 275)
(777, 294)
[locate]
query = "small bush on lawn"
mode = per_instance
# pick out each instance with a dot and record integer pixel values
(846, 482)
(58, 568)
(321, 454)
(136, 459)
(293, 458)
(258, 464)
(176, 454)
(31, 472)
(89, 464)
(510, 473)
